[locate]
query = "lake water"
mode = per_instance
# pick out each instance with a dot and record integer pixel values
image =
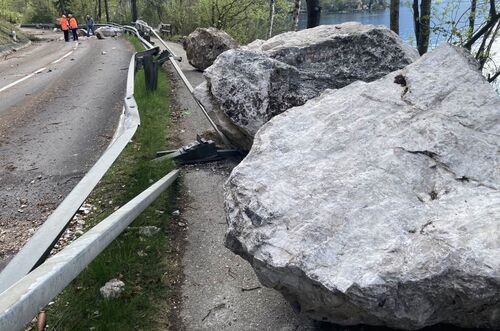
(441, 9)
(451, 8)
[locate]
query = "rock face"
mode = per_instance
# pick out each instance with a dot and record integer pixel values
(205, 44)
(246, 87)
(379, 203)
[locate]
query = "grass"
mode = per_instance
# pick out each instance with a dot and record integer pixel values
(139, 262)
(5, 31)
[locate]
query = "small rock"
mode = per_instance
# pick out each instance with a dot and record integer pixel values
(181, 224)
(176, 213)
(103, 52)
(112, 289)
(148, 231)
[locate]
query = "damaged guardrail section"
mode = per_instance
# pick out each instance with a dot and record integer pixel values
(28, 283)
(24, 300)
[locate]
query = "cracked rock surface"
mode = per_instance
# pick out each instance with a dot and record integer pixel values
(379, 203)
(248, 86)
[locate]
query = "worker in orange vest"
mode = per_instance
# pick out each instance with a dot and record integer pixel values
(73, 25)
(65, 27)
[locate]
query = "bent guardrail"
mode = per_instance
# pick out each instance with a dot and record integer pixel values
(29, 295)
(173, 58)
(39, 246)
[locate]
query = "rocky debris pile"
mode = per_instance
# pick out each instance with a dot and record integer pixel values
(248, 86)
(112, 289)
(205, 44)
(379, 203)
(107, 31)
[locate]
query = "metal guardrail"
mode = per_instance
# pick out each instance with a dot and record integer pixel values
(29, 282)
(21, 302)
(39, 246)
(173, 58)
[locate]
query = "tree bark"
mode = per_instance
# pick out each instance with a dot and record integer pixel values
(63, 10)
(416, 20)
(272, 7)
(472, 17)
(313, 13)
(295, 15)
(99, 12)
(106, 8)
(395, 16)
(425, 26)
(422, 22)
(135, 15)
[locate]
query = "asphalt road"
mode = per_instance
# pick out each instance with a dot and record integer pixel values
(54, 125)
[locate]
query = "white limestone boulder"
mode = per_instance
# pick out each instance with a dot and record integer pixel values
(379, 203)
(252, 84)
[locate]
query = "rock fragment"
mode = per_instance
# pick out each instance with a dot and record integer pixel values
(112, 289)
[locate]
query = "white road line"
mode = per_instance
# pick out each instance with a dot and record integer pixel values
(62, 58)
(36, 72)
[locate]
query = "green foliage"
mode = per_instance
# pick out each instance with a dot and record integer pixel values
(245, 20)
(352, 5)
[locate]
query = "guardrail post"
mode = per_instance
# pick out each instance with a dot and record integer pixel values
(150, 72)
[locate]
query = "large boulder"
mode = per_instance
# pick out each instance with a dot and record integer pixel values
(379, 203)
(107, 31)
(250, 85)
(205, 44)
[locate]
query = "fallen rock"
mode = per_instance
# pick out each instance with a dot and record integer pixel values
(205, 44)
(379, 203)
(148, 231)
(246, 87)
(112, 289)
(107, 31)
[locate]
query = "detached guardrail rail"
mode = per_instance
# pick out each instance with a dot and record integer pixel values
(28, 282)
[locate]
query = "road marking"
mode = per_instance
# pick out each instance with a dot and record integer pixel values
(62, 58)
(36, 72)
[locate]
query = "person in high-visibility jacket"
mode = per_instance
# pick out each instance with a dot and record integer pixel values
(65, 27)
(73, 25)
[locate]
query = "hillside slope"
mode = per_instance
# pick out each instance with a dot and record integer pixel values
(5, 36)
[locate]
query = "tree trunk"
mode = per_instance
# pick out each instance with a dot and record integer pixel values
(272, 8)
(99, 12)
(422, 21)
(61, 4)
(395, 16)
(106, 8)
(135, 15)
(472, 17)
(416, 20)
(313, 13)
(295, 15)
(425, 26)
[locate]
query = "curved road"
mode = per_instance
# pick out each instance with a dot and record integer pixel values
(54, 125)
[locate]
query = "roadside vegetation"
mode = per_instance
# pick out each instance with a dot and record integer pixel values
(6, 29)
(137, 260)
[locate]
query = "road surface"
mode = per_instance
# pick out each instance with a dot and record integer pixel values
(59, 106)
